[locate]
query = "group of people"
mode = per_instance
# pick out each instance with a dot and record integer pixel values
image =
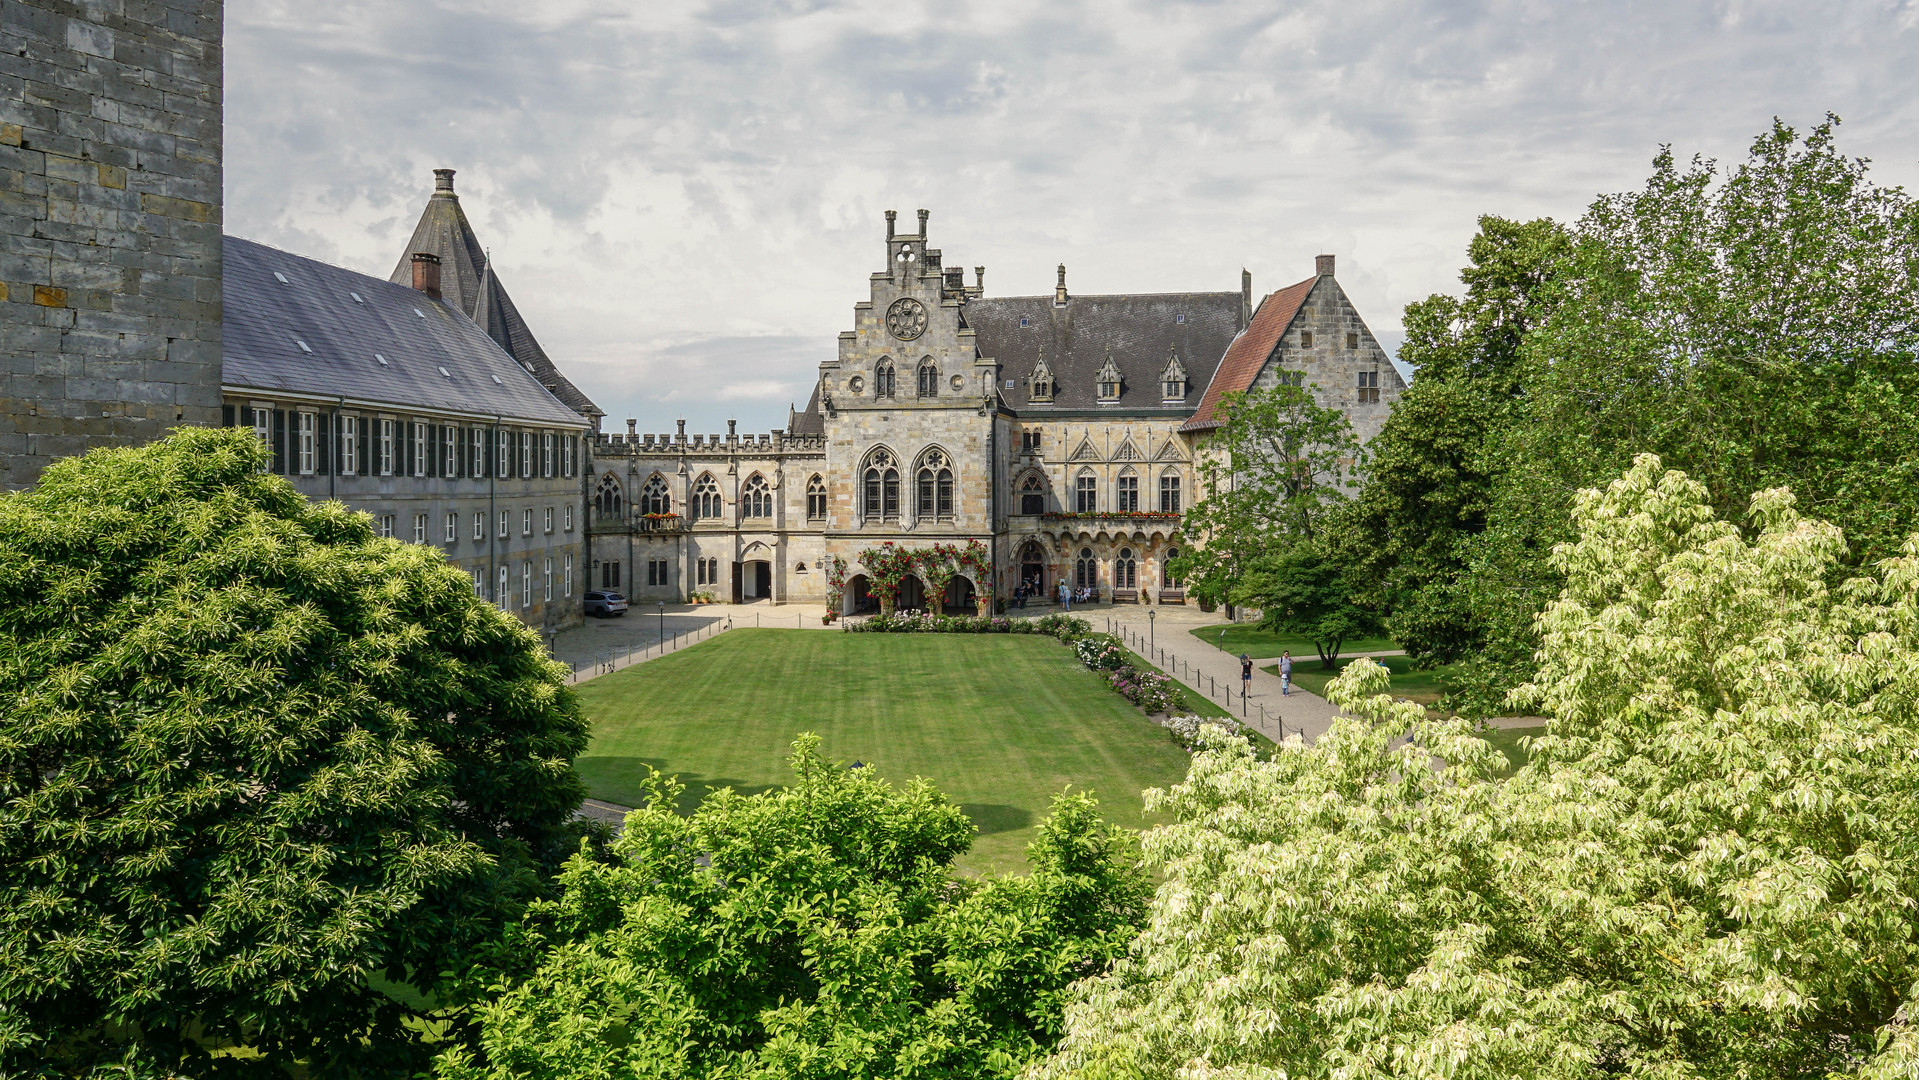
(1068, 596)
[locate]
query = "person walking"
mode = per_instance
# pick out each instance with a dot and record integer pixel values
(1286, 675)
(1245, 675)
(1065, 596)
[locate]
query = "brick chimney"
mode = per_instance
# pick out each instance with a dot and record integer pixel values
(426, 273)
(1324, 265)
(443, 181)
(1059, 290)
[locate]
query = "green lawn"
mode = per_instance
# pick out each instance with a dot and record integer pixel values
(1506, 741)
(999, 722)
(1260, 644)
(1425, 687)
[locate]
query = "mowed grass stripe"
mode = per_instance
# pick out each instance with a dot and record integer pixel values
(1001, 723)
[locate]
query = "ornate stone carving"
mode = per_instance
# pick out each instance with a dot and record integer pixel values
(906, 319)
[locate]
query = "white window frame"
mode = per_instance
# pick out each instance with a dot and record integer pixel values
(419, 447)
(506, 524)
(569, 576)
(350, 446)
(526, 583)
(549, 521)
(548, 580)
(569, 517)
(419, 528)
(262, 424)
(386, 446)
(546, 454)
(386, 526)
(505, 457)
(479, 524)
(479, 453)
(505, 587)
(566, 451)
(452, 527)
(449, 452)
(479, 582)
(526, 454)
(309, 424)
(526, 522)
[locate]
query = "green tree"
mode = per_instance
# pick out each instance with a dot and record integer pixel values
(1709, 866)
(1405, 541)
(252, 757)
(1303, 592)
(810, 931)
(1269, 478)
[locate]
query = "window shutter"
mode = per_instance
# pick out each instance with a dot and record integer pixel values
(365, 427)
(323, 443)
(280, 441)
(226, 416)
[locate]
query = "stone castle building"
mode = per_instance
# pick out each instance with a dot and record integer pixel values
(1058, 432)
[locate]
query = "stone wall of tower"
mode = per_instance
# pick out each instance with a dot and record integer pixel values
(110, 221)
(1342, 347)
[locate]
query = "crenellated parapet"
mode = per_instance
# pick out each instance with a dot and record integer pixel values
(635, 444)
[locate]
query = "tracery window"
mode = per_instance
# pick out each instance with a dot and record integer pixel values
(655, 498)
(935, 487)
(1128, 494)
(1085, 494)
(1086, 570)
(929, 379)
(607, 497)
(1169, 493)
(1125, 570)
(816, 499)
(880, 486)
(756, 499)
(883, 379)
(707, 502)
(1032, 496)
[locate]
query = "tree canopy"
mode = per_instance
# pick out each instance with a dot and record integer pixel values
(1708, 867)
(810, 931)
(251, 758)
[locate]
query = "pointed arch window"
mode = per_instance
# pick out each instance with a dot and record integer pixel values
(1109, 380)
(654, 497)
(1166, 568)
(1086, 570)
(756, 499)
(1032, 496)
(707, 503)
(1127, 496)
(1169, 492)
(880, 488)
(816, 499)
(1086, 493)
(607, 497)
(935, 482)
(1125, 570)
(1042, 380)
(883, 379)
(1172, 379)
(929, 379)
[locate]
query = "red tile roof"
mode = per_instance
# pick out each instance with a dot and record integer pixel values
(1248, 352)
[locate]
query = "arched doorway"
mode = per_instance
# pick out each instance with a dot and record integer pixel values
(756, 580)
(859, 597)
(912, 594)
(961, 597)
(1032, 566)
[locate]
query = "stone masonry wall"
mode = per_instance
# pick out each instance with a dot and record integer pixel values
(110, 221)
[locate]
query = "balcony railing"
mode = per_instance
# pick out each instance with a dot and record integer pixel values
(1135, 516)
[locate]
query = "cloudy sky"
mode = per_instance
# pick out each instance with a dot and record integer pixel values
(685, 197)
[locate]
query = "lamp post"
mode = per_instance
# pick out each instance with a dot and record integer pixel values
(662, 622)
(1150, 616)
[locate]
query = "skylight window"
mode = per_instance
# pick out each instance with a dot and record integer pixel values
(497, 379)
(447, 373)
(420, 313)
(302, 345)
(1022, 320)
(356, 298)
(282, 278)
(380, 358)
(1179, 318)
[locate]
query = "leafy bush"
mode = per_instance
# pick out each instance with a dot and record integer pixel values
(1101, 652)
(1150, 690)
(1195, 733)
(810, 931)
(251, 756)
(927, 622)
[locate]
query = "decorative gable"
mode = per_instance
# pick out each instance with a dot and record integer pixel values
(1042, 380)
(1109, 381)
(1169, 451)
(1127, 451)
(1085, 451)
(1172, 379)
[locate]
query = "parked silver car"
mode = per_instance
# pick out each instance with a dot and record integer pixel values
(605, 603)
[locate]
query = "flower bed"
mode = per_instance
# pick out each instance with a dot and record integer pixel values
(1186, 729)
(1101, 652)
(1063, 627)
(1150, 690)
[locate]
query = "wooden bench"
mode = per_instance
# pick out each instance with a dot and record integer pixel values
(1172, 596)
(1125, 596)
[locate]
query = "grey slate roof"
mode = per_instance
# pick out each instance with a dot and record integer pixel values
(469, 284)
(809, 422)
(1138, 331)
(266, 321)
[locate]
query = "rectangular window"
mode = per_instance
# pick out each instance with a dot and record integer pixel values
(479, 524)
(547, 580)
(386, 525)
(503, 460)
(1086, 495)
(1305, 339)
(452, 528)
(526, 583)
(419, 447)
(546, 454)
(569, 576)
(1368, 386)
(569, 517)
(572, 445)
(419, 528)
(449, 451)
(307, 427)
(506, 516)
(386, 447)
(652, 572)
(1129, 494)
(349, 445)
(526, 453)
(478, 470)
(526, 522)
(1352, 340)
(611, 574)
(500, 595)
(1169, 492)
(479, 582)
(549, 521)
(263, 425)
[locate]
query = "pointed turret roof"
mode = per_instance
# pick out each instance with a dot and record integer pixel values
(468, 282)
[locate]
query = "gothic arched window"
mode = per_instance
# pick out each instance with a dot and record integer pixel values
(1086, 493)
(1169, 492)
(756, 499)
(935, 486)
(816, 499)
(1086, 570)
(880, 484)
(654, 497)
(707, 502)
(1032, 496)
(1128, 501)
(883, 379)
(1125, 570)
(607, 497)
(929, 379)
(1166, 568)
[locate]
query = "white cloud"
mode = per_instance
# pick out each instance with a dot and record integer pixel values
(686, 199)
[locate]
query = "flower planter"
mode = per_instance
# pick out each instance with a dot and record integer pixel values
(985, 605)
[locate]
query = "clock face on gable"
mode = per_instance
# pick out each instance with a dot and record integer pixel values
(906, 319)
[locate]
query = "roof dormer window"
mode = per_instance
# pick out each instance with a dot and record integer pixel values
(1172, 379)
(1042, 380)
(1109, 381)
